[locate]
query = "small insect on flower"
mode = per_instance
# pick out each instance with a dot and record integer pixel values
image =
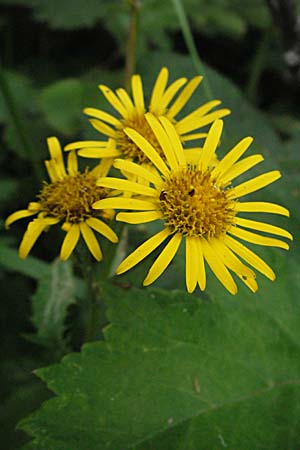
(197, 204)
(69, 198)
(131, 113)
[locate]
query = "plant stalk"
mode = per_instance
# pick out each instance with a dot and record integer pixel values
(190, 43)
(131, 42)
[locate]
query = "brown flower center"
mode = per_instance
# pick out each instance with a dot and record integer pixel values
(193, 205)
(71, 198)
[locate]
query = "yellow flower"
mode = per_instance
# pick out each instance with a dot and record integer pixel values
(69, 198)
(131, 113)
(197, 204)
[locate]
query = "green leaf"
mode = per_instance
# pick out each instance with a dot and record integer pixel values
(8, 187)
(32, 267)
(55, 293)
(70, 94)
(179, 372)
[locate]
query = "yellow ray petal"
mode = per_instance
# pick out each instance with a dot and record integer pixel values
(102, 169)
(191, 137)
(264, 207)
(125, 203)
(21, 214)
(163, 140)
(201, 273)
(103, 229)
(138, 94)
(149, 151)
(170, 94)
(195, 124)
(128, 186)
(254, 184)
(51, 172)
(82, 144)
(231, 261)
(139, 217)
(72, 163)
(103, 116)
(113, 100)
(199, 112)
(232, 156)
(143, 250)
(261, 226)
(70, 242)
(34, 206)
(103, 128)
(56, 155)
(251, 283)
(163, 260)
(158, 89)
(184, 97)
(257, 239)
(91, 241)
(175, 141)
(34, 230)
(99, 152)
(241, 167)
(126, 100)
(210, 145)
(137, 170)
(250, 257)
(218, 268)
(191, 263)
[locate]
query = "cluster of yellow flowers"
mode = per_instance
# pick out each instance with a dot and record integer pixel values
(188, 190)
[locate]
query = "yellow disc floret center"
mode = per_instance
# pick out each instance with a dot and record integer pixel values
(71, 198)
(128, 148)
(194, 205)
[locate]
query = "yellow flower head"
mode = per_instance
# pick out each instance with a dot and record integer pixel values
(69, 198)
(197, 204)
(164, 101)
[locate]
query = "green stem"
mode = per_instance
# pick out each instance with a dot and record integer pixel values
(19, 126)
(190, 43)
(257, 68)
(131, 42)
(93, 308)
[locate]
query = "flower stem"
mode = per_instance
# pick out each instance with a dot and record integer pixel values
(18, 124)
(131, 42)
(257, 67)
(190, 43)
(93, 309)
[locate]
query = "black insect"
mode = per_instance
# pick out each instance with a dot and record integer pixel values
(162, 195)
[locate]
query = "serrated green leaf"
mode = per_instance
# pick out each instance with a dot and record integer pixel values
(55, 293)
(174, 370)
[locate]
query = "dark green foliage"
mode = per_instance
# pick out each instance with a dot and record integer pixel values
(174, 369)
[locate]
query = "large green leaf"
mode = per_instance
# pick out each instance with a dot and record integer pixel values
(179, 372)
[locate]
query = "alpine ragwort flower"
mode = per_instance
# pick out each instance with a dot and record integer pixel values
(131, 113)
(68, 198)
(197, 204)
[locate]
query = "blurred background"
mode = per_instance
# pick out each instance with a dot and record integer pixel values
(53, 55)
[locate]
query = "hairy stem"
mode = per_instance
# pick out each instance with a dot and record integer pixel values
(190, 43)
(131, 42)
